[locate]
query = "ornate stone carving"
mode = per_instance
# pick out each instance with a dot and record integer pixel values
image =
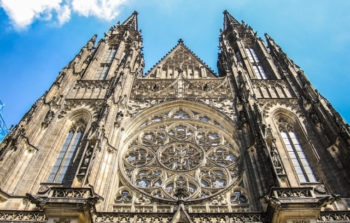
(218, 88)
(22, 216)
(334, 216)
(133, 218)
(124, 195)
(271, 89)
(173, 157)
(60, 192)
(180, 156)
(223, 218)
(89, 89)
(48, 118)
(73, 103)
(299, 192)
(180, 60)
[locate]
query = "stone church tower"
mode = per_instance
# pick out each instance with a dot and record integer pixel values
(180, 143)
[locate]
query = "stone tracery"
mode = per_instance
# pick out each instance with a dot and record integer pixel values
(181, 153)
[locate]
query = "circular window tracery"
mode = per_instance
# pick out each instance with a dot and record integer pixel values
(180, 158)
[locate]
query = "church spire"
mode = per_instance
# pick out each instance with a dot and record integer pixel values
(229, 20)
(131, 22)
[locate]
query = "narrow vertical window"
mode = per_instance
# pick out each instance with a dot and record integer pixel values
(252, 56)
(248, 51)
(65, 157)
(256, 71)
(257, 68)
(238, 55)
(262, 72)
(102, 72)
(110, 55)
(297, 156)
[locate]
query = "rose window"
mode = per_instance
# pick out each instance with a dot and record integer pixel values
(180, 158)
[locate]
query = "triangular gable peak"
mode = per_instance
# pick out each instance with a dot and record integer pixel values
(131, 21)
(180, 60)
(229, 20)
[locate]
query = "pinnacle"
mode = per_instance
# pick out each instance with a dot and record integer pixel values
(131, 21)
(229, 20)
(182, 45)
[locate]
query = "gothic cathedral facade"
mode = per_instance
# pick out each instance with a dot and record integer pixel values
(180, 143)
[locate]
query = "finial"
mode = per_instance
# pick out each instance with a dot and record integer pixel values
(135, 12)
(180, 41)
(225, 12)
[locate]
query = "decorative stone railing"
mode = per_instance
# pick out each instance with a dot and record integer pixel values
(299, 192)
(22, 216)
(167, 217)
(272, 89)
(89, 89)
(59, 192)
(334, 216)
(231, 218)
(133, 217)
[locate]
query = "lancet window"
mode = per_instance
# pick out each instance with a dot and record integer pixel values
(238, 55)
(295, 152)
(110, 55)
(103, 71)
(254, 60)
(66, 154)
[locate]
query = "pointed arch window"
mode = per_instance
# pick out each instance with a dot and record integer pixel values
(65, 157)
(296, 153)
(102, 72)
(110, 55)
(106, 63)
(254, 60)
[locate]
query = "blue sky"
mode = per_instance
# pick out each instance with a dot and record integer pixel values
(39, 37)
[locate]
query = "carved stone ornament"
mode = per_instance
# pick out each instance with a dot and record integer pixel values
(176, 157)
(48, 118)
(22, 216)
(43, 189)
(334, 216)
(320, 189)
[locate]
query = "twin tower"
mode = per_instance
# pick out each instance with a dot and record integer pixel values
(180, 143)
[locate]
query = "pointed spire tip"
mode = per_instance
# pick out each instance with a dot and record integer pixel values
(131, 21)
(180, 41)
(229, 20)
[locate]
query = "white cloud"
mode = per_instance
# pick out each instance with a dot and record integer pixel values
(23, 13)
(104, 9)
(63, 14)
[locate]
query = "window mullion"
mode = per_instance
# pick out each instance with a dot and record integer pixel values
(298, 157)
(56, 168)
(255, 58)
(64, 158)
(68, 156)
(105, 72)
(262, 72)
